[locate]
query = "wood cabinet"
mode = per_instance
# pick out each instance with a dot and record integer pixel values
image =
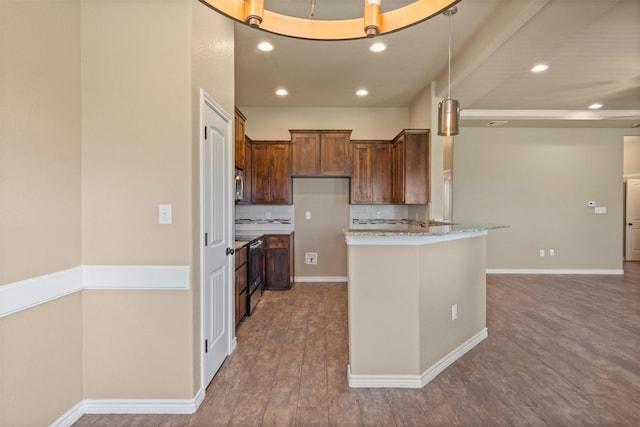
(270, 173)
(238, 139)
(279, 266)
(320, 153)
(371, 173)
(241, 284)
(411, 167)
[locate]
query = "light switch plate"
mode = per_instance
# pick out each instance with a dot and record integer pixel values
(164, 214)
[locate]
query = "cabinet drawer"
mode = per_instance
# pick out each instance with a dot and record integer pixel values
(278, 242)
(241, 256)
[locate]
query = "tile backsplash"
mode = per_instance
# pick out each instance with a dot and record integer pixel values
(377, 212)
(264, 217)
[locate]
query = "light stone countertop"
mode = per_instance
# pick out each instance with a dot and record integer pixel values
(414, 233)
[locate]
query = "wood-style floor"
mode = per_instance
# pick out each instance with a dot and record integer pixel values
(562, 350)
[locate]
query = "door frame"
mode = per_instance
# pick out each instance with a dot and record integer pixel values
(206, 100)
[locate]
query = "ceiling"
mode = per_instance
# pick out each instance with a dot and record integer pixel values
(592, 48)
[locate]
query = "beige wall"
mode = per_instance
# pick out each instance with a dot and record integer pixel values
(212, 50)
(328, 201)
(39, 138)
(631, 166)
(99, 104)
(366, 123)
(41, 362)
(538, 181)
(40, 348)
(136, 131)
(400, 300)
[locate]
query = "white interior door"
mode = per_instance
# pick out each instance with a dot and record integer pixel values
(216, 235)
(632, 237)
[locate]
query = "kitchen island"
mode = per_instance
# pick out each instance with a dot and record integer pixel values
(417, 299)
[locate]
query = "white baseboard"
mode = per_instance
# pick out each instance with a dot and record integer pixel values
(70, 417)
(130, 406)
(28, 293)
(552, 271)
(321, 279)
(415, 381)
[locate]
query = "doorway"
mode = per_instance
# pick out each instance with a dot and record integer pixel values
(215, 213)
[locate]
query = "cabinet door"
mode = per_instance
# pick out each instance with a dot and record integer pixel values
(398, 170)
(381, 174)
(416, 168)
(361, 180)
(280, 180)
(260, 173)
(335, 154)
(278, 267)
(247, 175)
(238, 139)
(305, 153)
(241, 293)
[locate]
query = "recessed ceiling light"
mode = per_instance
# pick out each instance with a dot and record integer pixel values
(595, 106)
(378, 47)
(282, 92)
(539, 67)
(362, 92)
(265, 46)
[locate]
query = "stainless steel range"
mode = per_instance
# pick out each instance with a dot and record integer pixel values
(255, 269)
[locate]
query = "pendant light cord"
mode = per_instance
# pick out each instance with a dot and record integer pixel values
(449, 85)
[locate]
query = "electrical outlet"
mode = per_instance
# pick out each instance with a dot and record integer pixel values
(552, 252)
(310, 257)
(267, 215)
(307, 215)
(454, 311)
(541, 252)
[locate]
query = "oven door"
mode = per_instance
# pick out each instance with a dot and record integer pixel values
(255, 273)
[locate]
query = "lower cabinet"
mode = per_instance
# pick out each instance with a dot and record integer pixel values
(241, 284)
(279, 262)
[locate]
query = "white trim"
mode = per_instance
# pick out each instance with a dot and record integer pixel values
(71, 416)
(550, 114)
(28, 293)
(25, 294)
(130, 406)
(136, 277)
(321, 279)
(556, 271)
(415, 381)
(409, 240)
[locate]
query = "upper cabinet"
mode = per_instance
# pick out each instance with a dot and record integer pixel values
(411, 167)
(372, 178)
(238, 139)
(324, 153)
(271, 173)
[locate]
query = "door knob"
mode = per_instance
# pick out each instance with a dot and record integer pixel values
(230, 251)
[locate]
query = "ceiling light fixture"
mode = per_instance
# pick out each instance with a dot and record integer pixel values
(372, 17)
(362, 92)
(265, 46)
(282, 92)
(371, 24)
(378, 47)
(539, 67)
(595, 106)
(449, 109)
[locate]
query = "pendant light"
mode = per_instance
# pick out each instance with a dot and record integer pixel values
(449, 109)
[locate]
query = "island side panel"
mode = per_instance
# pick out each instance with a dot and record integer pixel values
(452, 272)
(383, 310)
